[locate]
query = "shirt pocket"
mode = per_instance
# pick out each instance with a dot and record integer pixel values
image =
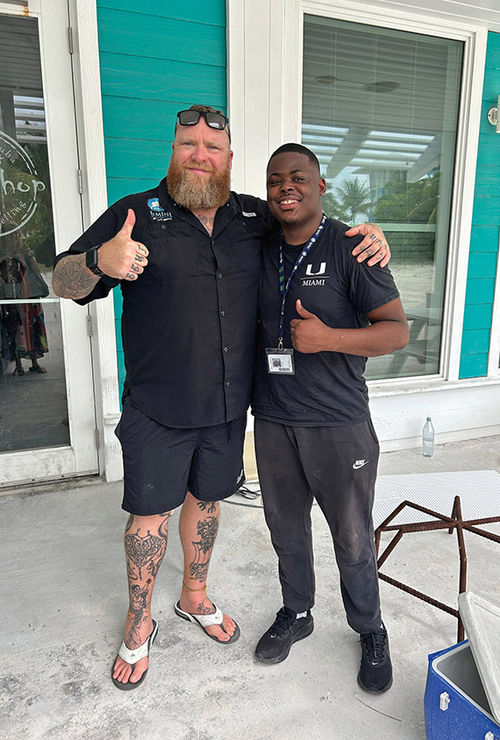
(241, 252)
(176, 253)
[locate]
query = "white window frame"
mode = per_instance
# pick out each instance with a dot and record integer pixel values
(90, 135)
(264, 39)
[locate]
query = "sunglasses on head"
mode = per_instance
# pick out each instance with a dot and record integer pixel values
(214, 120)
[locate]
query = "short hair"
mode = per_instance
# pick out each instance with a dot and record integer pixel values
(300, 149)
(208, 109)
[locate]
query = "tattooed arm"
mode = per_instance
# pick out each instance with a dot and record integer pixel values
(121, 257)
(72, 279)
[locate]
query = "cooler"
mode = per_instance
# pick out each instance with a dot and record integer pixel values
(462, 695)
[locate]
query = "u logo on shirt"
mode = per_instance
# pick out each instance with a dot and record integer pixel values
(321, 271)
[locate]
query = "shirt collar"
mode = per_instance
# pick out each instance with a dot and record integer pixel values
(224, 214)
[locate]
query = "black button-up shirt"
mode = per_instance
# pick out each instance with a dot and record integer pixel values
(188, 322)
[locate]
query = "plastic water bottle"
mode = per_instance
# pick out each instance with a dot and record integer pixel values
(428, 438)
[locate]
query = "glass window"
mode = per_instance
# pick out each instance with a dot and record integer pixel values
(33, 408)
(380, 111)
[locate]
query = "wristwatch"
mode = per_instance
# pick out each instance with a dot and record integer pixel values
(91, 261)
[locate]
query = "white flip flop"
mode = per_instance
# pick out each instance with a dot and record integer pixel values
(134, 656)
(207, 620)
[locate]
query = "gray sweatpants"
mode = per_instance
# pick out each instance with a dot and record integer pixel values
(337, 466)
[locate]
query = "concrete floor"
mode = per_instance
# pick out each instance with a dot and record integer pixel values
(64, 604)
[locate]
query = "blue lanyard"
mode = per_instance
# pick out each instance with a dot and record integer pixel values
(285, 288)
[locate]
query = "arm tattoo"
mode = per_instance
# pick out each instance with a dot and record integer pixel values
(71, 278)
(130, 521)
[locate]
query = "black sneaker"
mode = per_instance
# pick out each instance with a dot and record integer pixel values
(375, 672)
(275, 644)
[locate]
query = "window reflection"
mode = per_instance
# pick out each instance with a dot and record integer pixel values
(380, 111)
(33, 409)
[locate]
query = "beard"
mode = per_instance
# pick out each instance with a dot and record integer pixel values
(197, 192)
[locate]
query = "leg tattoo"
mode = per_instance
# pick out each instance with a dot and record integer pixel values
(144, 554)
(207, 532)
(138, 603)
(148, 550)
(209, 506)
(144, 551)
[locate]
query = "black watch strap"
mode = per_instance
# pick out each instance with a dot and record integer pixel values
(91, 261)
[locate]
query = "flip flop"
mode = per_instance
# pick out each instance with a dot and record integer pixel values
(207, 620)
(134, 656)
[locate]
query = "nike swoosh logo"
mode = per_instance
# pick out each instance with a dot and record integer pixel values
(359, 464)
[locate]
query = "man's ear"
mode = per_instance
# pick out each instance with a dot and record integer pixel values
(322, 186)
(231, 154)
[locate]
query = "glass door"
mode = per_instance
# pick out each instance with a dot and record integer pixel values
(46, 401)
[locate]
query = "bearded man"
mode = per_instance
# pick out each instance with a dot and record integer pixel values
(186, 255)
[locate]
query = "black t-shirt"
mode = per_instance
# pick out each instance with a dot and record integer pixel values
(188, 322)
(328, 388)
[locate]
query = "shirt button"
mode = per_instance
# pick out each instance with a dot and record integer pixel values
(222, 313)
(227, 384)
(219, 276)
(226, 349)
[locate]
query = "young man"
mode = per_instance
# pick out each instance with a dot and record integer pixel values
(187, 257)
(321, 314)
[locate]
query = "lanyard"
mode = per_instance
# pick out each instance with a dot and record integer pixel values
(285, 288)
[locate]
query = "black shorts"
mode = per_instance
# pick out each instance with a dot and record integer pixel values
(162, 463)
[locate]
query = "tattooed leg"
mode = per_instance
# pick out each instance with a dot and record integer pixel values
(145, 546)
(198, 525)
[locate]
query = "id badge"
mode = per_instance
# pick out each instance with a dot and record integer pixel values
(280, 361)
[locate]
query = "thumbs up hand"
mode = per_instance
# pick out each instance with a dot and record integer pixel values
(309, 334)
(121, 257)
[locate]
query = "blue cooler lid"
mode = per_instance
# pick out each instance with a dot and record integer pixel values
(481, 619)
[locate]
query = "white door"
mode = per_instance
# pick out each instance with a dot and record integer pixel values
(47, 416)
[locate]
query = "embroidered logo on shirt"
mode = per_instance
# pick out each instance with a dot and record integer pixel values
(321, 271)
(359, 464)
(156, 212)
(249, 214)
(313, 276)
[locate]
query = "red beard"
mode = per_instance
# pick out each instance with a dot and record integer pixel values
(197, 192)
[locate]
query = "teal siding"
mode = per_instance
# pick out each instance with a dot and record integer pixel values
(478, 317)
(474, 365)
(479, 290)
(482, 265)
(155, 60)
(485, 229)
